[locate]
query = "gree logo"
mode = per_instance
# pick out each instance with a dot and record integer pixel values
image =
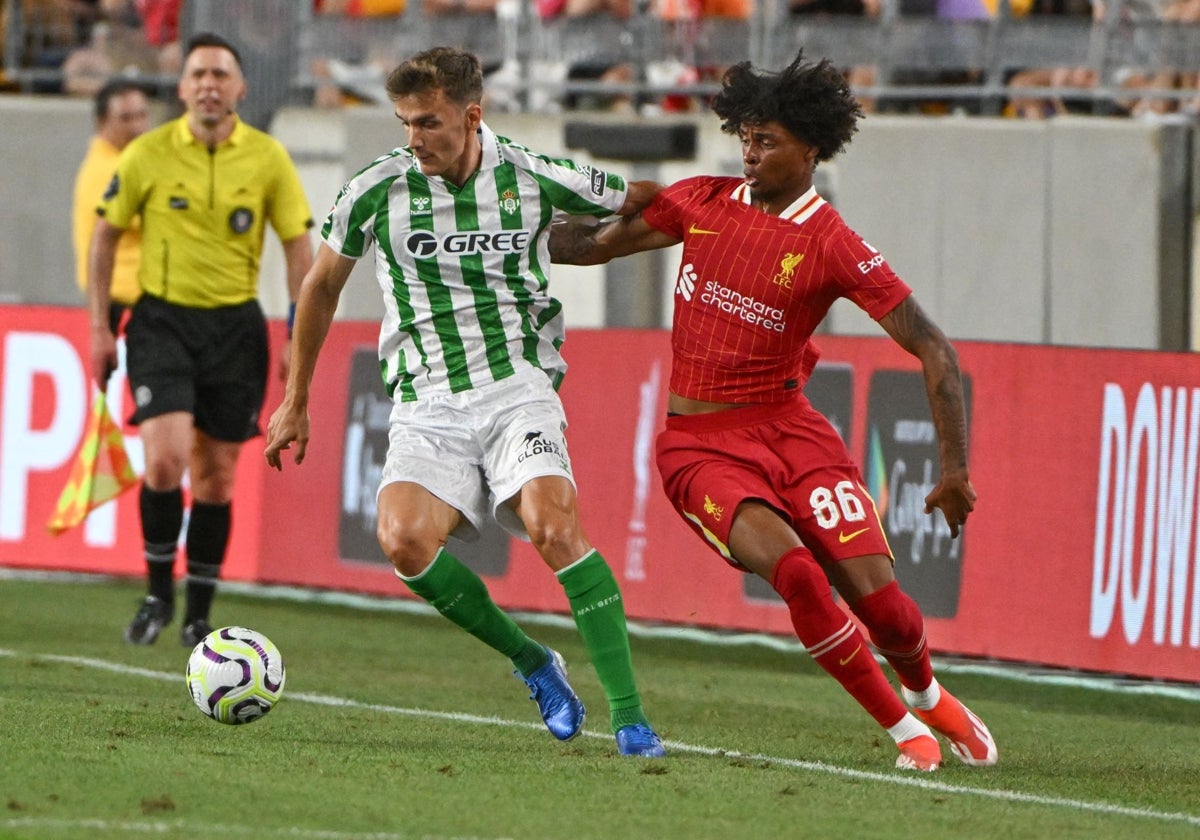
(422, 244)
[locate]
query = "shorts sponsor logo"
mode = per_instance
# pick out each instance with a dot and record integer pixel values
(142, 396)
(423, 244)
(241, 219)
(536, 444)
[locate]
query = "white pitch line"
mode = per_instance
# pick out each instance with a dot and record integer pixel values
(678, 746)
(1041, 675)
(172, 828)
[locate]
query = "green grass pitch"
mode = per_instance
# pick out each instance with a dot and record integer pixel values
(397, 725)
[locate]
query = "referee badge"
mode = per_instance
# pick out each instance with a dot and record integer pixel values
(241, 219)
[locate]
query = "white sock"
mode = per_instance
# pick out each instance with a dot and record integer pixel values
(908, 727)
(924, 700)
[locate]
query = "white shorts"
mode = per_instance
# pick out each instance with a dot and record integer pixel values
(474, 450)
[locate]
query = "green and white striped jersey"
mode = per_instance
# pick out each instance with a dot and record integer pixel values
(464, 270)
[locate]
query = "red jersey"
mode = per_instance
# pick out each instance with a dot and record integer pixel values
(753, 287)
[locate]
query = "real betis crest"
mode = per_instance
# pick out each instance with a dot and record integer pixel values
(509, 202)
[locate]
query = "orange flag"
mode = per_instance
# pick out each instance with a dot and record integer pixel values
(101, 472)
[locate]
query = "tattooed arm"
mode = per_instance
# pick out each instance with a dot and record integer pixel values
(578, 242)
(911, 328)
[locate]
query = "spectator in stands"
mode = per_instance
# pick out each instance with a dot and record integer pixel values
(680, 58)
(1028, 106)
(51, 30)
(721, 22)
(114, 48)
(122, 113)
(345, 79)
(601, 66)
(443, 8)
(858, 75)
(469, 23)
(1154, 75)
(87, 68)
(158, 21)
(360, 8)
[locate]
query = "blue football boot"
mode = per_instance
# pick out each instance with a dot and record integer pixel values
(638, 739)
(561, 709)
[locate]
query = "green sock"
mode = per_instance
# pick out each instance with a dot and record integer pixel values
(600, 617)
(458, 593)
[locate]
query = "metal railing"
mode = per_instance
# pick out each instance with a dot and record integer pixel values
(548, 64)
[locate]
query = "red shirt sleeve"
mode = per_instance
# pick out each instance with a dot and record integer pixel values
(865, 276)
(665, 212)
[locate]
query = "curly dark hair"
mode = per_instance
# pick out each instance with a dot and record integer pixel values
(813, 101)
(456, 72)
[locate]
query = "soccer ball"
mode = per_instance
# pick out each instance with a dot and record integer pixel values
(235, 675)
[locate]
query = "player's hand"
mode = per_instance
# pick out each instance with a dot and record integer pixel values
(955, 497)
(288, 425)
(104, 356)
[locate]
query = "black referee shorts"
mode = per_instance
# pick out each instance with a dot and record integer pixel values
(211, 363)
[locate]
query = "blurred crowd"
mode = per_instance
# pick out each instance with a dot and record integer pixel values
(74, 46)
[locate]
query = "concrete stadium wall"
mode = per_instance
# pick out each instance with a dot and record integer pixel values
(1068, 231)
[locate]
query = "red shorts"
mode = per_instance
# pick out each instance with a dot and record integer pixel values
(788, 456)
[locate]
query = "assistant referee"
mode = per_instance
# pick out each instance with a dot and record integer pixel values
(205, 186)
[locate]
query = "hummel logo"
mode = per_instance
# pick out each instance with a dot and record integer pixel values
(846, 661)
(845, 538)
(695, 230)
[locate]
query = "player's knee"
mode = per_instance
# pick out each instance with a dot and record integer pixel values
(798, 576)
(555, 535)
(409, 546)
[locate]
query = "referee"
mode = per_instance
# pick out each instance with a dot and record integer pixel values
(205, 186)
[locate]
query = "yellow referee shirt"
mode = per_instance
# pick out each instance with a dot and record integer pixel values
(204, 213)
(94, 175)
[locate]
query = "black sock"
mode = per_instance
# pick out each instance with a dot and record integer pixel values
(162, 519)
(207, 538)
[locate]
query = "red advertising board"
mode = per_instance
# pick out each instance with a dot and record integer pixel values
(1082, 551)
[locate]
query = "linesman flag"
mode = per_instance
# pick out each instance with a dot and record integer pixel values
(101, 472)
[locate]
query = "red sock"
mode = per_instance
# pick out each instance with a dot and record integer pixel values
(832, 639)
(898, 632)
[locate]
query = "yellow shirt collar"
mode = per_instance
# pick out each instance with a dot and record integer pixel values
(184, 134)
